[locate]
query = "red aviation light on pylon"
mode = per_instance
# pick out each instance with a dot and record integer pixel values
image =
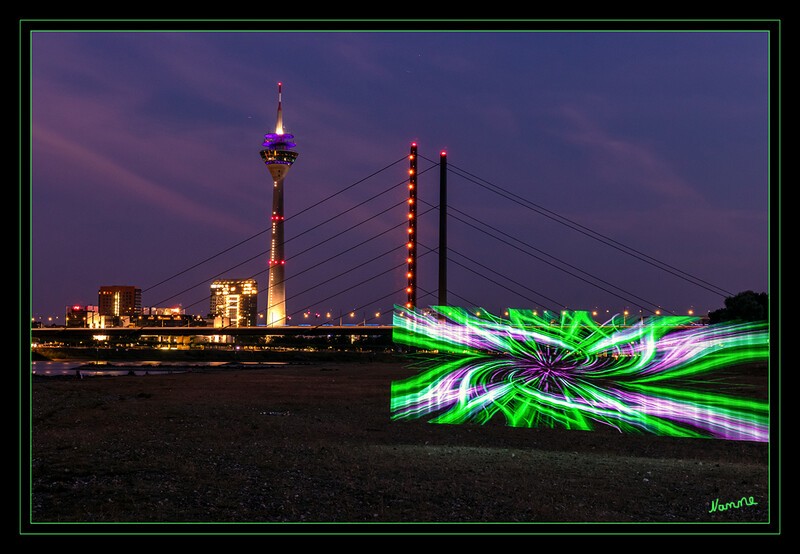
(411, 273)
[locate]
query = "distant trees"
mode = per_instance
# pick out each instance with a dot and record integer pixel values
(745, 306)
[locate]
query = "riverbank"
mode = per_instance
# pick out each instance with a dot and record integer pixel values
(206, 355)
(313, 444)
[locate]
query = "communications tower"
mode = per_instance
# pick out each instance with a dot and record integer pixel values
(279, 158)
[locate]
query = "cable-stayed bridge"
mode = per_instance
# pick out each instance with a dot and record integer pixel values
(392, 240)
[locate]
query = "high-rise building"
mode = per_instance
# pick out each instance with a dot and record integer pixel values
(279, 158)
(119, 301)
(236, 300)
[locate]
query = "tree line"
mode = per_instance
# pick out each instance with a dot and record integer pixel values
(745, 306)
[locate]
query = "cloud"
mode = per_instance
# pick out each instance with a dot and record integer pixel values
(625, 162)
(53, 148)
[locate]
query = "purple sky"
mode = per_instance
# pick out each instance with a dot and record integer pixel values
(145, 162)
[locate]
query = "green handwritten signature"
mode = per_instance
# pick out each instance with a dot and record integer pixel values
(716, 506)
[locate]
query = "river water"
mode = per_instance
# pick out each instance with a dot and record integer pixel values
(75, 368)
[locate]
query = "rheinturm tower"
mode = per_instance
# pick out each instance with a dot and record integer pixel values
(279, 157)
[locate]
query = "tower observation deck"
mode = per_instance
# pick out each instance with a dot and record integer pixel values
(278, 157)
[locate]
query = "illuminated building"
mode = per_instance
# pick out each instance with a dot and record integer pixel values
(167, 317)
(279, 158)
(119, 301)
(236, 300)
(83, 316)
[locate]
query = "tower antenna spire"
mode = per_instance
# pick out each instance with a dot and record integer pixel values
(279, 126)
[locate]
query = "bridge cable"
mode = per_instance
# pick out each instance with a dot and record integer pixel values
(269, 228)
(402, 289)
(434, 291)
(322, 262)
(496, 282)
(589, 232)
(321, 242)
(392, 187)
(359, 284)
(204, 281)
(557, 259)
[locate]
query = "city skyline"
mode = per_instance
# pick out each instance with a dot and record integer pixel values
(145, 162)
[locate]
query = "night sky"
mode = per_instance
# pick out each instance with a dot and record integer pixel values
(144, 163)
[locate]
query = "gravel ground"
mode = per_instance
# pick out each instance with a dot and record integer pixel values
(299, 448)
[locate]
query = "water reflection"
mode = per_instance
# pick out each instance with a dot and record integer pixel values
(61, 368)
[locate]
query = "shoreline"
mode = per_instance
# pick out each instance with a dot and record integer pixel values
(96, 355)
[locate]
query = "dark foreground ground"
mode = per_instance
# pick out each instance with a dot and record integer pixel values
(313, 444)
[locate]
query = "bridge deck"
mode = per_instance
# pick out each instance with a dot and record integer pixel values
(288, 330)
